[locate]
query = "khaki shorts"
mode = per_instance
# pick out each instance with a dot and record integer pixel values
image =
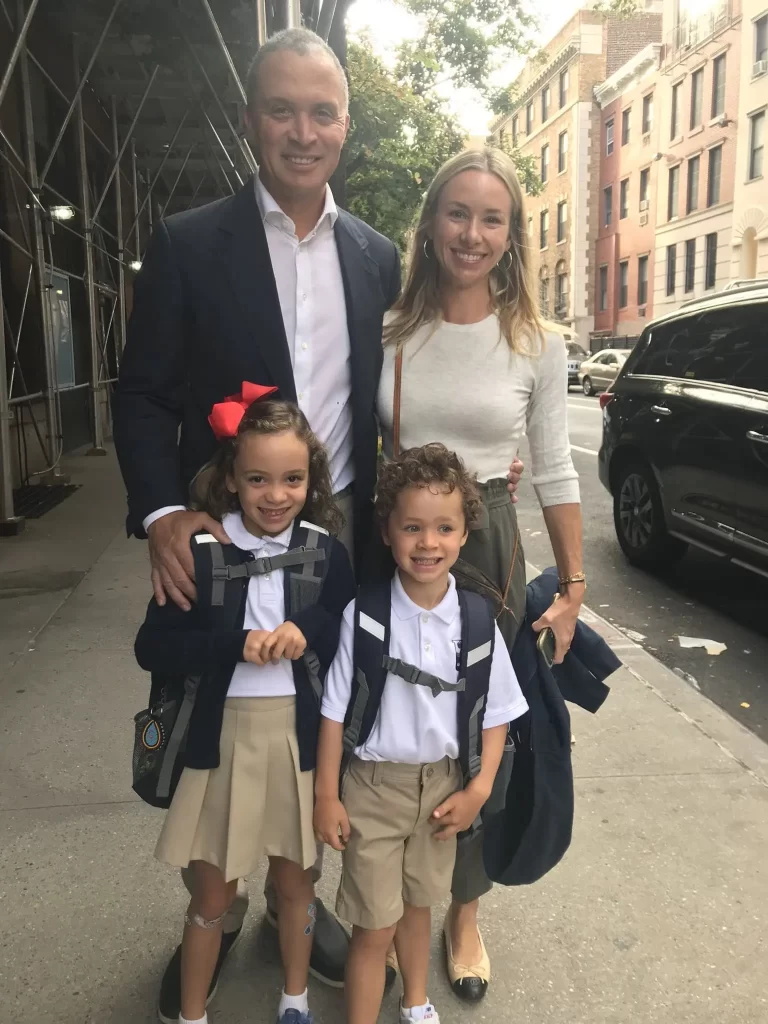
(392, 855)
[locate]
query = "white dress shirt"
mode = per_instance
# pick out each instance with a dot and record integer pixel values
(311, 293)
(412, 726)
(264, 609)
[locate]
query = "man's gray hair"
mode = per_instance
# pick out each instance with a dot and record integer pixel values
(297, 40)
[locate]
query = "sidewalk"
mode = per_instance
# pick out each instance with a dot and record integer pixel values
(659, 912)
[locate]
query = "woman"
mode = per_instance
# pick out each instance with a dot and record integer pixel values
(476, 370)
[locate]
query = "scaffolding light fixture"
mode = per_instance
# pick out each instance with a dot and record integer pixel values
(61, 212)
(135, 266)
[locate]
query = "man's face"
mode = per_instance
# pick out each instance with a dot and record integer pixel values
(298, 119)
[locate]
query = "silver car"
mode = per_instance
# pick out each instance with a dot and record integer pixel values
(576, 356)
(600, 371)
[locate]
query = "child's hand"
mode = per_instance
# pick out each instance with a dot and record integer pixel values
(287, 641)
(458, 812)
(331, 822)
(253, 644)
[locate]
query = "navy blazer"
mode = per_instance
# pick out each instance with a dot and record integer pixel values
(532, 831)
(206, 316)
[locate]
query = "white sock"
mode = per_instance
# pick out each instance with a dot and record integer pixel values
(300, 1003)
(417, 1012)
(186, 1020)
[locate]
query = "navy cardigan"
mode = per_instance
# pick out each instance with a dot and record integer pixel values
(173, 644)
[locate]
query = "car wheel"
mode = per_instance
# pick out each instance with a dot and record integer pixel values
(588, 386)
(638, 517)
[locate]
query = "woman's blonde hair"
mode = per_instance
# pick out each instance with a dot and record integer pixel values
(512, 294)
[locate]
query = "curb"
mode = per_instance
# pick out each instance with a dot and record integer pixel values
(737, 742)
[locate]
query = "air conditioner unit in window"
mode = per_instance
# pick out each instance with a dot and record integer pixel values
(647, 139)
(645, 204)
(641, 311)
(643, 219)
(760, 67)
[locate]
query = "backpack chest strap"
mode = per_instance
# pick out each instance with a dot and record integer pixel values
(222, 572)
(417, 677)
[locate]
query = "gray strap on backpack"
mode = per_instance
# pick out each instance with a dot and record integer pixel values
(417, 677)
(305, 556)
(312, 665)
(474, 740)
(352, 731)
(177, 736)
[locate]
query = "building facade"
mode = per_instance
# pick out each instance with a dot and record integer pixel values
(749, 239)
(629, 174)
(697, 99)
(556, 121)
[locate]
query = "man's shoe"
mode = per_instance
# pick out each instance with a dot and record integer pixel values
(329, 946)
(296, 1017)
(468, 981)
(169, 1003)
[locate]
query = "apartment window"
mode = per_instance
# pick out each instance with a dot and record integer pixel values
(544, 104)
(718, 85)
(710, 263)
(761, 38)
(608, 205)
(529, 119)
(647, 113)
(674, 123)
(562, 152)
(603, 289)
(544, 164)
(515, 130)
(625, 125)
(642, 280)
(623, 284)
(756, 145)
(690, 264)
(543, 228)
(697, 90)
(671, 268)
(673, 192)
(609, 137)
(562, 217)
(561, 290)
(692, 187)
(713, 179)
(645, 185)
(563, 90)
(624, 199)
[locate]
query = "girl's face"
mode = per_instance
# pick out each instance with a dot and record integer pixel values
(271, 478)
(471, 230)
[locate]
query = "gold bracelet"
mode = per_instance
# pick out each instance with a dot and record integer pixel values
(575, 577)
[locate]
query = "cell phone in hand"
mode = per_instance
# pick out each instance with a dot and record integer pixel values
(546, 644)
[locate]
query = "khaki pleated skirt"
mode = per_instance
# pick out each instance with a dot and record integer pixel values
(257, 802)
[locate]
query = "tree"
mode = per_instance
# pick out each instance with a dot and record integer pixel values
(397, 141)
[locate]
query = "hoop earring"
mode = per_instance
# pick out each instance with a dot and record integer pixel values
(508, 266)
(426, 254)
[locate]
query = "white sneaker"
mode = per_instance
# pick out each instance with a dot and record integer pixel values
(428, 1013)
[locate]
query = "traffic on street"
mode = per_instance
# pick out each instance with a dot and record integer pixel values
(699, 596)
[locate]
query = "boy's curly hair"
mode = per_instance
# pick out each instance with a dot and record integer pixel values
(209, 491)
(419, 467)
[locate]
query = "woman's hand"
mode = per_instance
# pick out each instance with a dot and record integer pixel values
(561, 617)
(331, 822)
(514, 476)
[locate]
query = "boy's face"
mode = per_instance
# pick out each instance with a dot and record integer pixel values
(426, 531)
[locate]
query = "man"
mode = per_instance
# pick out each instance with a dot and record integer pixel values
(273, 285)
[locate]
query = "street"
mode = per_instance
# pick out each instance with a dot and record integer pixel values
(697, 597)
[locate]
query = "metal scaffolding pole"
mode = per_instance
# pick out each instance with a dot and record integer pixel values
(224, 149)
(294, 13)
(148, 196)
(41, 273)
(18, 46)
(261, 22)
(10, 524)
(120, 239)
(135, 183)
(89, 277)
(225, 51)
(178, 179)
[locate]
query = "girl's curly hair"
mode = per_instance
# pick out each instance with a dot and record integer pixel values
(209, 492)
(419, 467)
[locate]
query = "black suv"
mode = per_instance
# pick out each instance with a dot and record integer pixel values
(685, 434)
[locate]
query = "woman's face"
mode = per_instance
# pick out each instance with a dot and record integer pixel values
(472, 227)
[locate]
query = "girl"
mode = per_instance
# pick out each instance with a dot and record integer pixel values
(467, 362)
(247, 786)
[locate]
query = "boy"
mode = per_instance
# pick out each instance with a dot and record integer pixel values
(402, 802)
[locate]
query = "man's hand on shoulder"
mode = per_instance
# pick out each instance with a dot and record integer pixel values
(173, 568)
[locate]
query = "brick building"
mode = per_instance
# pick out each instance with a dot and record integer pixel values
(556, 120)
(749, 240)
(697, 104)
(624, 256)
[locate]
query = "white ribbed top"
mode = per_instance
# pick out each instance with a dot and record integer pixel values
(463, 386)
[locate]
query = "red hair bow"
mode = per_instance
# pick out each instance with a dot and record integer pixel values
(225, 416)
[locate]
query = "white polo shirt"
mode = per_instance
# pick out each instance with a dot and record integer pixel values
(412, 726)
(264, 609)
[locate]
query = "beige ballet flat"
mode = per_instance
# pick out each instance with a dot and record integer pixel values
(468, 981)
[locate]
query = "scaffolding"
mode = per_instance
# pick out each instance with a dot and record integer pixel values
(113, 115)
